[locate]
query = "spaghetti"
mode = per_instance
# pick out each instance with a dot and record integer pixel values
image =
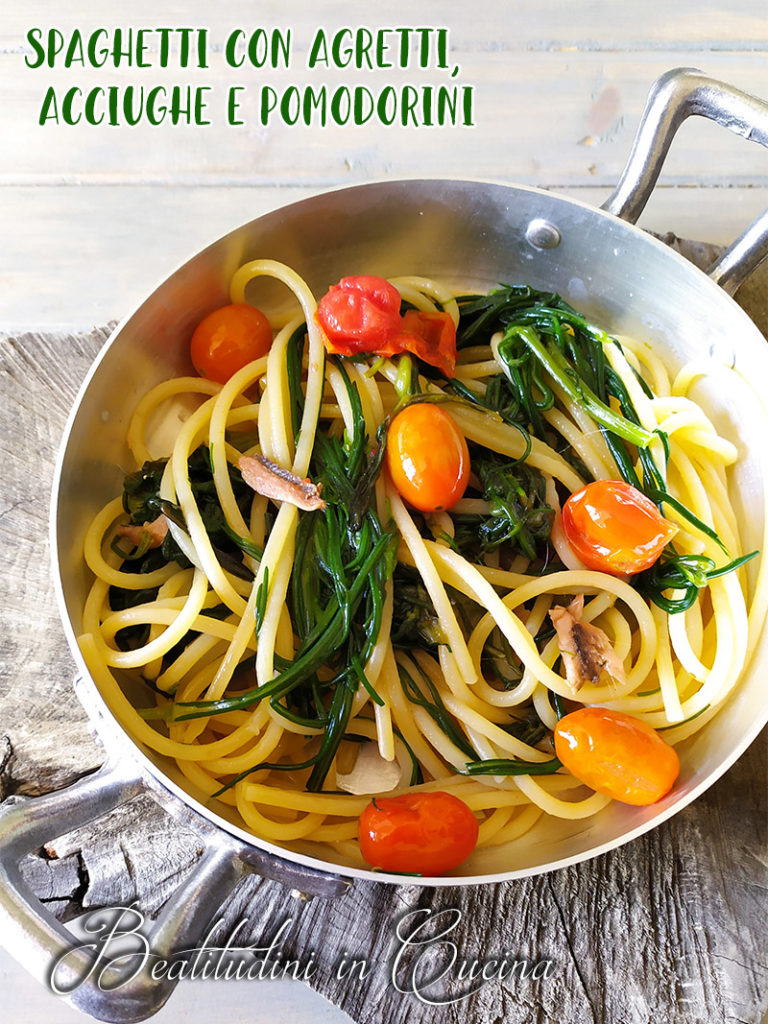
(278, 644)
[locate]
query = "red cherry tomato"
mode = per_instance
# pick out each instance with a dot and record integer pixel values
(362, 315)
(228, 339)
(427, 457)
(615, 528)
(617, 755)
(429, 833)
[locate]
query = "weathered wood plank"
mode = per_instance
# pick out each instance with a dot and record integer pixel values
(25, 1001)
(58, 882)
(129, 857)
(47, 741)
(590, 102)
(546, 24)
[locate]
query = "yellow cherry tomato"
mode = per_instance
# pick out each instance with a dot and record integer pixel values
(616, 754)
(427, 457)
(615, 528)
(228, 339)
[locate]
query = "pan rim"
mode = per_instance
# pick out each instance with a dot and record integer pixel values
(108, 724)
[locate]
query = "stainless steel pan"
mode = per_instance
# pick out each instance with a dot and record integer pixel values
(477, 233)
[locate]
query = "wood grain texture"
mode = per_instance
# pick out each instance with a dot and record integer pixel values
(593, 101)
(558, 91)
(670, 927)
(543, 24)
(47, 742)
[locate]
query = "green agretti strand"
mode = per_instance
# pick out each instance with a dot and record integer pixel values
(328, 634)
(533, 328)
(336, 594)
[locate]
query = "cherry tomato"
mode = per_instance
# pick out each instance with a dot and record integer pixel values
(615, 528)
(228, 339)
(429, 833)
(431, 337)
(617, 755)
(427, 457)
(362, 315)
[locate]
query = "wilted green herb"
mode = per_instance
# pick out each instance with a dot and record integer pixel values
(343, 558)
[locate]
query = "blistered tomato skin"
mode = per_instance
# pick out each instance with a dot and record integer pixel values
(424, 833)
(228, 339)
(617, 755)
(615, 528)
(431, 337)
(427, 457)
(360, 314)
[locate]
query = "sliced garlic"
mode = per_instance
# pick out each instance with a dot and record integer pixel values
(370, 774)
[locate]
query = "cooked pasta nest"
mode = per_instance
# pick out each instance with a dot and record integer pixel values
(449, 657)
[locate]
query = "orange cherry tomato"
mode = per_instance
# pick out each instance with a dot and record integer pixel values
(361, 315)
(615, 528)
(427, 457)
(617, 755)
(428, 833)
(228, 339)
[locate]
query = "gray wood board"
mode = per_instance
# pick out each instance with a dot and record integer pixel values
(668, 928)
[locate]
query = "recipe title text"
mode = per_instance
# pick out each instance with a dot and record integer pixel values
(324, 95)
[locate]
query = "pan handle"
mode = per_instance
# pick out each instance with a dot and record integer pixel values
(82, 973)
(675, 96)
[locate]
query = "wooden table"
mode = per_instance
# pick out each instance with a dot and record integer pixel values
(668, 928)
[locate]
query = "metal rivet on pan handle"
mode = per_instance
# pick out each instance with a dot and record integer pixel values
(542, 234)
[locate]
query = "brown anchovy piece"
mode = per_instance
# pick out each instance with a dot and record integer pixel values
(157, 531)
(271, 480)
(586, 650)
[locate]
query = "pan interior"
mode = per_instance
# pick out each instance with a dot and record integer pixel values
(472, 235)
